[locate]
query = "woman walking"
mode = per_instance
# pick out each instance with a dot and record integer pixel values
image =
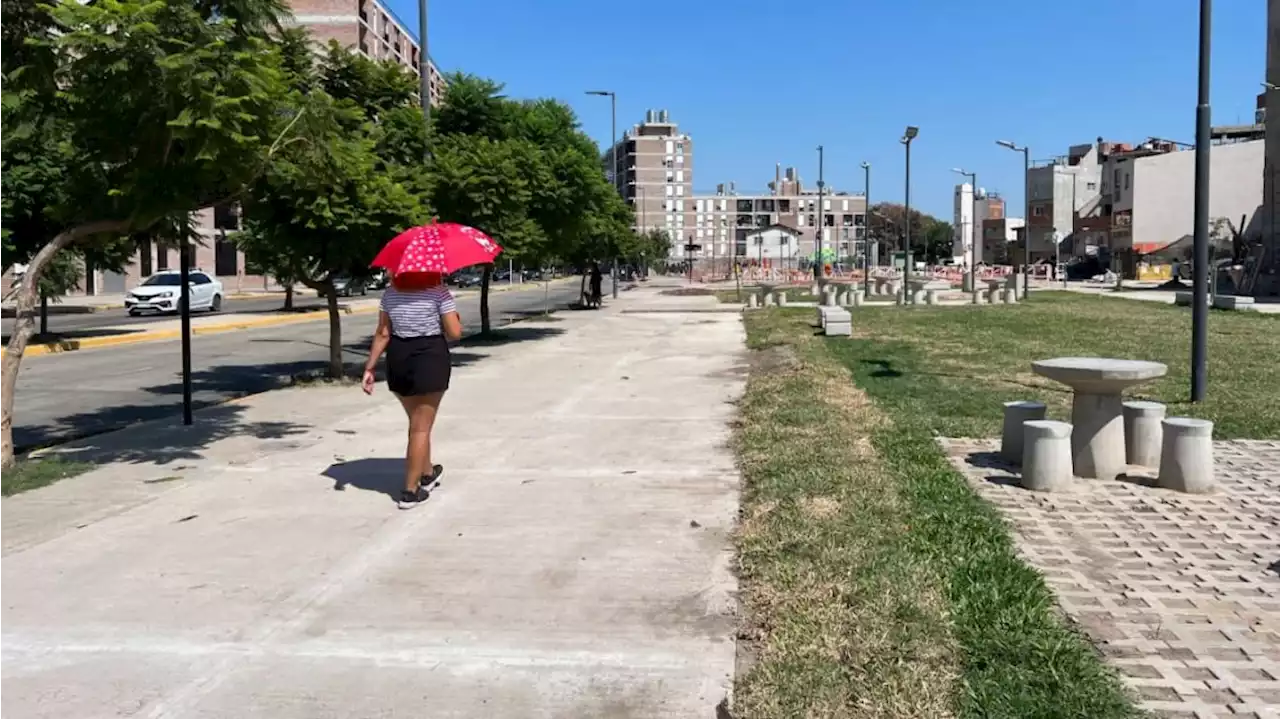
(418, 319)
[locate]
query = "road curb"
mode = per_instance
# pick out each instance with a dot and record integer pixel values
(75, 345)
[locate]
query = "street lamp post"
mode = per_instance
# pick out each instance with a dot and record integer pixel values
(866, 230)
(973, 228)
(613, 165)
(907, 137)
(424, 75)
(1026, 215)
(818, 274)
(1200, 276)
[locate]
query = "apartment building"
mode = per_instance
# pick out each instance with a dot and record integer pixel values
(724, 220)
(1059, 190)
(370, 27)
(655, 167)
(1147, 191)
(1001, 238)
(968, 218)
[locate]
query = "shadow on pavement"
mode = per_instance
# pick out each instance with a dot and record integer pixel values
(212, 388)
(374, 474)
(173, 442)
(71, 336)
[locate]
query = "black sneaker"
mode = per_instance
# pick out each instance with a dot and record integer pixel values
(409, 500)
(430, 480)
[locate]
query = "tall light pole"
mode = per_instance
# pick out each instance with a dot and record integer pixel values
(1026, 215)
(973, 227)
(424, 76)
(818, 274)
(866, 230)
(613, 167)
(907, 137)
(1200, 276)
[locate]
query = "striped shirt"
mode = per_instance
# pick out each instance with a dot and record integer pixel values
(417, 313)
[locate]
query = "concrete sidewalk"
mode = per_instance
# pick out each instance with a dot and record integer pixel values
(576, 561)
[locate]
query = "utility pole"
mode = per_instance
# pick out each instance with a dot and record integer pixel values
(424, 77)
(613, 165)
(907, 137)
(1200, 274)
(818, 274)
(866, 230)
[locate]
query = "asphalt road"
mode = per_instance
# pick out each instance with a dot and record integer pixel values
(63, 396)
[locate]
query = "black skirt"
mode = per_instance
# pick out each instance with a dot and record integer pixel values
(418, 365)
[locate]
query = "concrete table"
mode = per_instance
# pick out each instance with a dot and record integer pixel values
(1097, 411)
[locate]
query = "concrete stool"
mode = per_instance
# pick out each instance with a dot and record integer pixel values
(1046, 455)
(1186, 457)
(752, 301)
(976, 297)
(1011, 297)
(782, 298)
(843, 299)
(827, 299)
(900, 298)
(1015, 413)
(814, 289)
(1142, 432)
(895, 288)
(856, 299)
(931, 297)
(994, 296)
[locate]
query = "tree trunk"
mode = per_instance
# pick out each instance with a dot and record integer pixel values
(24, 323)
(484, 299)
(336, 368)
(288, 297)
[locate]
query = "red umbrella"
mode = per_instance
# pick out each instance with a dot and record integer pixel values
(438, 248)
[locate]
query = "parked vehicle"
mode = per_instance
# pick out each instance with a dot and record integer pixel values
(162, 293)
(379, 280)
(465, 278)
(348, 286)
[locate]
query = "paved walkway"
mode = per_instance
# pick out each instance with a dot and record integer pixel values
(1180, 592)
(575, 562)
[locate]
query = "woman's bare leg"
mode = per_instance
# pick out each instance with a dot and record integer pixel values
(422, 417)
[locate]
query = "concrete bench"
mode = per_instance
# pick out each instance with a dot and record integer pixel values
(1186, 455)
(1232, 302)
(837, 322)
(1046, 455)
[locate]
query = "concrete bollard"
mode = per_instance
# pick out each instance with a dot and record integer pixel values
(1046, 455)
(1186, 455)
(931, 297)
(1015, 413)
(1143, 433)
(993, 296)
(1011, 297)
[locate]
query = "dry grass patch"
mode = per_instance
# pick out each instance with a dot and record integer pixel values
(841, 620)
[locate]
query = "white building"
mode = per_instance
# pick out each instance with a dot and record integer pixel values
(1148, 192)
(776, 243)
(969, 212)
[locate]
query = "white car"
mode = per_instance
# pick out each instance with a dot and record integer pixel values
(161, 293)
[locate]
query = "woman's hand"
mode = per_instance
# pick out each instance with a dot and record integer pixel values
(366, 383)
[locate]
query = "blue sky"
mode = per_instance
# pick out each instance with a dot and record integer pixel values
(756, 82)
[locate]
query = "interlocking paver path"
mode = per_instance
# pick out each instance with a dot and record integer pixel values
(1180, 592)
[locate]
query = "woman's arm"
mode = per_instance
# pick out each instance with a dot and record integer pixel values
(381, 338)
(450, 321)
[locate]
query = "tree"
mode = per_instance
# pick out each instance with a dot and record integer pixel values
(325, 206)
(143, 110)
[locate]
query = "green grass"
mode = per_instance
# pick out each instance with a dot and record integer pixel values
(953, 366)
(875, 582)
(30, 474)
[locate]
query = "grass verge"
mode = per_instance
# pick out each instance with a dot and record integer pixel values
(875, 582)
(30, 474)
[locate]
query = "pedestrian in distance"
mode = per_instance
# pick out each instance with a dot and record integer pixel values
(418, 318)
(597, 284)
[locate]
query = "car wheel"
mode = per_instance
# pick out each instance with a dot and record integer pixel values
(215, 305)
(134, 313)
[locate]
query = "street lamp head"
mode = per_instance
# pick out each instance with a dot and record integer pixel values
(1270, 86)
(866, 165)
(1008, 144)
(601, 93)
(958, 171)
(911, 132)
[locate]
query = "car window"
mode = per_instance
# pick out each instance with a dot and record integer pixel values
(200, 278)
(162, 281)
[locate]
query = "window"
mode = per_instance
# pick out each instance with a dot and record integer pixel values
(828, 221)
(670, 176)
(844, 205)
(679, 159)
(162, 258)
(671, 147)
(700, 215)
(679, 147)
(1090, 185)
(670, 190)
(679, 203)
(699, 206)
(1116, 184)
(699, 234)
(1037, 211)
(226, 217)
(200, 278)
(826, 205)
(680, 190)
(1126, 180)
(800, 220)
(679, 175)
(668, 164)
(812, 222)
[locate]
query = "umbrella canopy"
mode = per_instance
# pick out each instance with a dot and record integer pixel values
(439, 248)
